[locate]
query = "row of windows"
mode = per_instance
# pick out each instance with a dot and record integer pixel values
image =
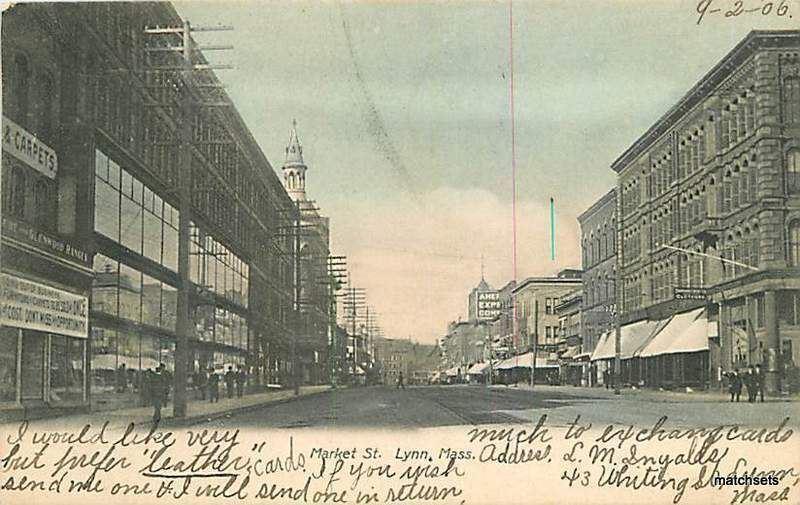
(598, 290)
(31, 98)
(216, 268)
(131, 214)
(551, 335)
(122, 291)
(599, 245)
(743, 252)
(28, 195)
(221, 326)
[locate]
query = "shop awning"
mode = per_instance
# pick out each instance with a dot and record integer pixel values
(524, 361)
(478, 368)
(687, 332)
(633, 337)
(570, 353)
(451, 372)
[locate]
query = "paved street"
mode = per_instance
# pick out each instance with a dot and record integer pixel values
(430, 406)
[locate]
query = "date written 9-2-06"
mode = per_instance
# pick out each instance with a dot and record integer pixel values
(735, 8)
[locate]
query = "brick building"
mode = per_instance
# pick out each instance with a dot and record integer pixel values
(598, 252)
(718, 174)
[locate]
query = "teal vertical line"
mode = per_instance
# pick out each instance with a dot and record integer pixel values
(552, 230)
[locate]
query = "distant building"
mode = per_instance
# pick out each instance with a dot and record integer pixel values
(568, 311)
(535, 300)
(416, 361)
(464, 344)
(314, 251)
(484, 302)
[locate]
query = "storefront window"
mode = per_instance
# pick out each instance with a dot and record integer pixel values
(104, 287)
(8, 364)
(131, 214)
(130, 282)
(33, 353)
(217, 268)
(150, 352)
(169, 306)
(167, 354)
(151, 301)
(66, 369)
(128, 349)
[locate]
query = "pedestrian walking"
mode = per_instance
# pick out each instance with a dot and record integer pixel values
(400, 384)
(607, 378)
(157, 386)
(166, 379)
(201, 383)
(734, 385)
(241, 380)
(230, 380)
(213, 385)
(122, 379)
(759, 380)
(749, 381)
(145, 384)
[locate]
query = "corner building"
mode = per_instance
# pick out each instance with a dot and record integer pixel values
(87, 83)
(718, 174)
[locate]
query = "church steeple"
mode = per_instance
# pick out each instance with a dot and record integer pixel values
(294, 168)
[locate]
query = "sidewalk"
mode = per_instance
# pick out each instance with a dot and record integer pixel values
(644, 394)
(197, 411)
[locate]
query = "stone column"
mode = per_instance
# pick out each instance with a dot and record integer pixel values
(772, 365)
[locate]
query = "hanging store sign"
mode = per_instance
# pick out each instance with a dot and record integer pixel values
(690, 294)
(28, 149)
(34, 306)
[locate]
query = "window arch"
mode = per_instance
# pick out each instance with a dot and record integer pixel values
(791, 97)
(794, 243)
(793, 171)
(17, 197)
(22, 78)
(43, 205)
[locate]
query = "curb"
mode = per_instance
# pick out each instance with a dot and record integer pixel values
(204, 418)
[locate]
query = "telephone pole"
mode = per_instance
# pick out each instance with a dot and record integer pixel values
(336, 276)
(185, 68)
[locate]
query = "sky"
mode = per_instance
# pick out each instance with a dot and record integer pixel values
(404, 113)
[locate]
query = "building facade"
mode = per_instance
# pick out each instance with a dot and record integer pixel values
(84, 82)
(314, 296)
(416, 361)
(464, 344)
(571, 358)
(718, 174)
(484, 302)
(537, 323)
(598, 254)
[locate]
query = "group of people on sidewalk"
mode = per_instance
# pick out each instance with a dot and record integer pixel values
(752, 378)
(206, 384)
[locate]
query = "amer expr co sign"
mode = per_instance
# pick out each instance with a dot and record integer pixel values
(28, 149)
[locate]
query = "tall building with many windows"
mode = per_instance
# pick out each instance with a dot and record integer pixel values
(599, 255)
(314, 250)
(717, 175)
(104, 207)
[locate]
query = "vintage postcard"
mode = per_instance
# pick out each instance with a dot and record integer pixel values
(400, 252)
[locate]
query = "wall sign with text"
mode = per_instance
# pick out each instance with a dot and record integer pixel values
(35, 306)
(24, 146)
